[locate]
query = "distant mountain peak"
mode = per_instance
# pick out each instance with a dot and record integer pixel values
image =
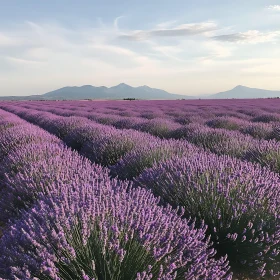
(123, 85)
(239, 87)
(145, 87)
(241, 92)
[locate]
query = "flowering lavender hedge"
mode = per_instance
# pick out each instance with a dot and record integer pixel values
(6, 121)
(266, 118)
(20, 135)
(109, 147)
(229, 123)
(258, 130)
(126, 123)
(40, 168)
(33, 161)
(239, 202)
(133, 163)
(106, 231)
(275, 133)
(129, 152)
(158, 127)
(251, 233)
(219, 141)
(79, 136)
(266, 153)
(86, 226)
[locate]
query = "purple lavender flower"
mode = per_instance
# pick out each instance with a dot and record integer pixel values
(106, 231)
(133, 163)
(237, 200)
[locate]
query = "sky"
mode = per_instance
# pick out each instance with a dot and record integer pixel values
(181, 46)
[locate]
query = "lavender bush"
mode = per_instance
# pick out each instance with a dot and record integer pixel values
(219, 141)
(266, 118)
(158, 127)
(229, 123)
(133, 163)
(106, 231)
(239, 202)
(266, 153)
(275, 132)
(258, 130)
(40, 168)
(108, 148)
(125, 123)
(17, 136)
(87, 132)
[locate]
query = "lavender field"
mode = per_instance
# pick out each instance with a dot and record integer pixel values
(120, 190)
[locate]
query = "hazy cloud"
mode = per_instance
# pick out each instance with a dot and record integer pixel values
(274, 7)
(116, 22)
(251, 36)
(23, 61)
(166, 24)
(178, 31)
(6, 40)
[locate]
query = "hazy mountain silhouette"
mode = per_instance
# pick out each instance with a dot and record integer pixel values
(240, 92)
(122, 91)
(116, 92)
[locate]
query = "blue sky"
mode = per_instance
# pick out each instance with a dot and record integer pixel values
(185, 47)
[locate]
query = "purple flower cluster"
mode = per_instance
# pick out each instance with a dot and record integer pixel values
(266, 118)
(127, 152)
(266, 153)
(107, 231)
(239, 201)
(133, 163)
(66, 219)
(158, 127)
(219, 141)
(20, 135)
(275, 133)
(158, 115)
(230, 123)
(33, 162)
(258, 130)
(109, 147)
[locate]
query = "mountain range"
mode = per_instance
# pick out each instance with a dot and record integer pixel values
(241, 92)
(122, 91)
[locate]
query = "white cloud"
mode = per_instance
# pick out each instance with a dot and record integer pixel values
(274, 7)
(7, 40)
(251, 36)
(216, 50)
(112, 49)
(182, 30)
(22, 61)
(166, 24)
(116, 22)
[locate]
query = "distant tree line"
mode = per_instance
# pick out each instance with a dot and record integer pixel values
(129, 98)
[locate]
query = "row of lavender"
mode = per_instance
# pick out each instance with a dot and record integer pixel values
(166, 127)
(258, 122)
(218, 141)
(64, 218)
(244, 109)
(237, 200)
